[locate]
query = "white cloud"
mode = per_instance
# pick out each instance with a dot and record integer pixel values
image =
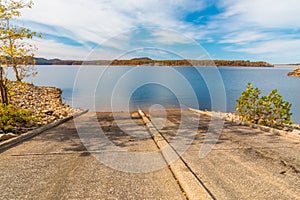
(53, 49)
(88, 20)
(168, 37)
(266, 29)
(273, 46)
(245, 37)
(262, 13)
(242, 25)
(99, 20)
(277, 50)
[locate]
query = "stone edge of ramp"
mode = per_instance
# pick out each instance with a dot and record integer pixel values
(294, 134)
(189, 182)
(5, 145)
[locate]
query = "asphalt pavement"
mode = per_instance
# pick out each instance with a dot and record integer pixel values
(124, 160)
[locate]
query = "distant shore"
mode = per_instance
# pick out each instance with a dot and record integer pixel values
(286, 65)
(149, 62)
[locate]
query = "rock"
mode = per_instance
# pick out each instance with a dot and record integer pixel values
(296, 131)
(286, 128)
(296, 72)
(135, 115)
(48, 112)
(7, 136)
(44, 103)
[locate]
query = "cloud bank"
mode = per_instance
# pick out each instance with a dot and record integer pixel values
(250, 28)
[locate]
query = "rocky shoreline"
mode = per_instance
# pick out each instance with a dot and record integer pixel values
(296, 73)
(44, 104)
(232, 117)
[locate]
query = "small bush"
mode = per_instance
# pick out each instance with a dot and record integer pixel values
(269, 110)
(12, 118)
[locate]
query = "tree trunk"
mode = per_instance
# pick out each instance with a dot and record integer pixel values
(3, 88)
(18, 78)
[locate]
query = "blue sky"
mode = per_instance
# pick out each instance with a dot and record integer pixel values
(267, 30)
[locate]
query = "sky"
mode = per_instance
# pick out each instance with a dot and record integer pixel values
(256, 30)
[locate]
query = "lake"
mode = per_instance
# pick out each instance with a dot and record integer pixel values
(120, 88)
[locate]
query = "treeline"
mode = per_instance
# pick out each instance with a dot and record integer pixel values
(191, 63)
(149, 62)
(242, 63)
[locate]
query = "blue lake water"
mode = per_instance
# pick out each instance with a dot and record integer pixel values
(121, 88)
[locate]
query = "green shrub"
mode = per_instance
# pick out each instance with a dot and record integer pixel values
(269, 110)
(12, 118)
(247, 104)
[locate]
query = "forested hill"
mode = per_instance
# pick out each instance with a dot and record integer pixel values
(149, 62)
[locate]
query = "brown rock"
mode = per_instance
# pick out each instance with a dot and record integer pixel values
(44, 103)
(296, 72)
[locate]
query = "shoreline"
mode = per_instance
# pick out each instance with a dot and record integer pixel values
(269, 67)
(43, 103)
(286, 66)
(149, 62)
(234, 118)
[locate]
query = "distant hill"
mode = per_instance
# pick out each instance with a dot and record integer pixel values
(43, 61)
(142, 58)
(149, 62)
(145, 61)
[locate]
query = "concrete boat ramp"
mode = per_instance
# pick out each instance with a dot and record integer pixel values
(169, 154)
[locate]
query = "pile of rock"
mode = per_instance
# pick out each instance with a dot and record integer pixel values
(44, 103)
(296, 72)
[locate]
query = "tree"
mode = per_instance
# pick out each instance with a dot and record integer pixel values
(270, 110)
(15, 51)
(3, 88)
(247, 104)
